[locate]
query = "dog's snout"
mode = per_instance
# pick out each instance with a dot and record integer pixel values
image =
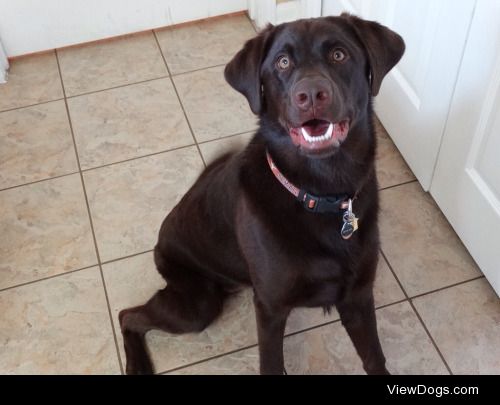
(312, 93)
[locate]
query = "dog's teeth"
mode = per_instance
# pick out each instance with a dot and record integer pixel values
(306, 136)
(324, 137)
(329, 131)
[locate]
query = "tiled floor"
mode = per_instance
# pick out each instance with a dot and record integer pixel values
(98, 143)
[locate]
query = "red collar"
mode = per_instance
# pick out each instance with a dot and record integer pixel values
(333, 204)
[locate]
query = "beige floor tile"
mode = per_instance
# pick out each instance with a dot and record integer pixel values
(32, 79)
(35, 144)
(45, 231)
(419, 243)
(205, 43)
(391, 167)
(213, 108)
(129, 200)
(213, 149)
(57, 326)
(128, 122)
(234, 329)
(465, 323)
(110, 63)
(328, 349)
(245, 362)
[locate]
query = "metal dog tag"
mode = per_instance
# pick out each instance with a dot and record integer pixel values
(347, 230)
(350, 222)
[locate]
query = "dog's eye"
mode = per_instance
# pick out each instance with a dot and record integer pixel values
(338, 55)
(283, 62)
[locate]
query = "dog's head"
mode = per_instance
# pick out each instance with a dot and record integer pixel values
(314, 78)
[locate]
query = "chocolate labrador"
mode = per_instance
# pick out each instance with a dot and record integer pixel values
(294, 215)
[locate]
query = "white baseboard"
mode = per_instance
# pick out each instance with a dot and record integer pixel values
(29, 26)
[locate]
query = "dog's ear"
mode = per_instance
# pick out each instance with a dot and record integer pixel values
(243, 71)
(383, 46)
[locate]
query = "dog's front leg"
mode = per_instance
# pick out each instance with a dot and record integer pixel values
(358, 318)
(271, 324)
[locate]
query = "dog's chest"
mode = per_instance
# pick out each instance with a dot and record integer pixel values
(320, 284)
(325, 294)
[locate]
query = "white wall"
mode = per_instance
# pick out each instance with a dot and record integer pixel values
(28, 26)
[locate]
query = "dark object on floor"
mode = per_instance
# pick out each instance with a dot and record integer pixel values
(282, 216)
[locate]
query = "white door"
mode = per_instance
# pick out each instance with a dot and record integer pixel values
(415, 97)
(466, 183)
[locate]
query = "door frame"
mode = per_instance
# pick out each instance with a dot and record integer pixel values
(263, 12)
(4, 64)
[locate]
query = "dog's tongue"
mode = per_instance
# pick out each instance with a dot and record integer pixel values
(316, 127)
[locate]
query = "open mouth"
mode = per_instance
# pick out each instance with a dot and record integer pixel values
(317, 135)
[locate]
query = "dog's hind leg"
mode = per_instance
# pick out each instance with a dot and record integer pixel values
(176, 309)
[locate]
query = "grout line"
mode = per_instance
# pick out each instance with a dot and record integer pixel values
(118, 87)
(169, 75)
(180, 101)
(127, 257)
(198, 69)
(416, 313)
(252, 131)
(138, 157)
(394, 274)
(391, 303)
(114, 87)
(128, 160)
(47, 278)
(209, 359)
(90, 217)
(31, 105)
(167, 150)
(310, 328)
(75, 270)
(338, 320)
(38, 181)
(446, 287)
(430, 336)
(397, 185)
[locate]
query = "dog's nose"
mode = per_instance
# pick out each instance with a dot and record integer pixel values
(312, 93)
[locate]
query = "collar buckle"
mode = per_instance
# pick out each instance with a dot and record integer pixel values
(329, 204)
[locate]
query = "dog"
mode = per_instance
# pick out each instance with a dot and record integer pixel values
(294, 215)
